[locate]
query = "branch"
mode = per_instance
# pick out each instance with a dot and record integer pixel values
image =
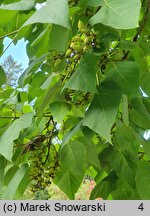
(9, 34)
(17, 117)
(9, 44)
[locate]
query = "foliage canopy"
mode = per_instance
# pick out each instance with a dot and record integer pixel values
(82, 106)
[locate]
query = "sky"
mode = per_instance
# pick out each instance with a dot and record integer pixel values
(18, 52)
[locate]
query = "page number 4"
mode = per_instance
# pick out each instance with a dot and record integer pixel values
(141, 207)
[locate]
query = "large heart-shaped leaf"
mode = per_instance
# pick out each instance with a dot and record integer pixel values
(126, 74)
(73, 155)
(69, 182)
(71, 172)
(84, 78)
(54, 12)
(123, 165)
(102, 112)
(118, 14)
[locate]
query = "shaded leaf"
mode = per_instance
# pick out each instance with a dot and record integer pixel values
(145, 78)
(101, 114)
(3, 77)
(71, 133)
(84, 78)
(123, 165)
(69, 182)
(14, 183)
(126, 74)
(104, 187)
(9, 174)
(73, 155)
(127, 139)
(55, 41)
(12, 133)
(143, 180)
(59, 110)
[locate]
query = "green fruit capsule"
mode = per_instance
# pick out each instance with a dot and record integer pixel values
(81, 25)
(87, 40)
(77, 48)
(85, 49)
(68, 53)
(77, 39)
(72, 44)
(76, 57)
(85, 31)
(57, 62)
(98, 46)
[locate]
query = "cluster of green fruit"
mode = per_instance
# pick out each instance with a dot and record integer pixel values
(85, 40)
(44, 162)
(56, 58)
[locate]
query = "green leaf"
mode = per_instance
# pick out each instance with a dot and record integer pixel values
(71, 171)
(23, 185)
(41, 43)
(73, 155)
(137, 104)
(124, 191)
(59, 110)
(139, 120)
(55, 41)
(71, 133)
(21, 5)
(47, 99)
(91, 152)
(84, 78)
(7, 17)
(94, 3)
(104, 187)
(146, 146)
(101, 114)
(3, 164)
(124, 166)
(127, 139)
(54, 12)
(34, 65)
(126, 74)
(118, 14)
(125, 110)
(3, 77)
(69, 182)
(9, 174)
(12, 133)
(14, 183)
(145, 78)
(143, 180)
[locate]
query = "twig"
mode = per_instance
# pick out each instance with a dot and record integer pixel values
(9, 34)
(17, 117)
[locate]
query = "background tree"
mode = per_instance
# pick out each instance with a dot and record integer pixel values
(13, 70)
